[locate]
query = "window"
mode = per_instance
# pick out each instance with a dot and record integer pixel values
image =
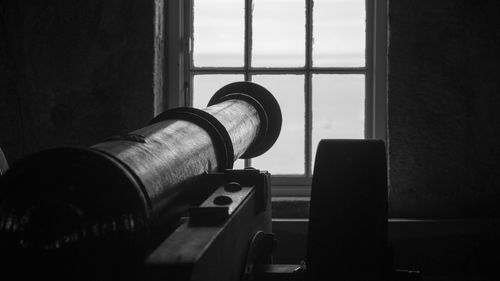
(324, 60)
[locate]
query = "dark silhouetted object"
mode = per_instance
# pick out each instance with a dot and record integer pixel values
(347, 236)
(348, 212)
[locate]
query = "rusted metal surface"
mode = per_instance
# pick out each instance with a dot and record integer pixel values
(242, 128)
(117, 199)
(176, 150)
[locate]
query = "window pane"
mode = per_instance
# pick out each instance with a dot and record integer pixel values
(287, 154)
(239, 164)
(338, 105)
(205, 86)
(278, 33)
(339, 33)
(218, 31)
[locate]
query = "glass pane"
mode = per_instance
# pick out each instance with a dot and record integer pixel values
(287, 154)
(239, 164)
(205, 86)
(338, 106)
(218, 32)
(339, 33)
(278, 33)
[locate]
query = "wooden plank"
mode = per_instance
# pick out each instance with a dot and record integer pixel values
(209, 252)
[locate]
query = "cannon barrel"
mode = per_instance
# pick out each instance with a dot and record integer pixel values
(111, 201)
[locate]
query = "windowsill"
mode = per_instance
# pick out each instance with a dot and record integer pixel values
(291, 187)
(297, 208)
(290, 207)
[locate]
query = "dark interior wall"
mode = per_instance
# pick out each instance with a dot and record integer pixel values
(443, 102)
(73, 72)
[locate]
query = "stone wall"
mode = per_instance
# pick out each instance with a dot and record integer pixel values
(443, 100)
(73, 72)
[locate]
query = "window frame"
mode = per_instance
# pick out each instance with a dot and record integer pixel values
(180, 73)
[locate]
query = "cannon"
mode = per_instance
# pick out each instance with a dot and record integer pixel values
(152, 201)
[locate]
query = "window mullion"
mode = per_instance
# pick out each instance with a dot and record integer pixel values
(188, 57)
(379, 68)
(283, 70)
(369, 65)
(248, 38)
(308, 89)
(248, 50)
